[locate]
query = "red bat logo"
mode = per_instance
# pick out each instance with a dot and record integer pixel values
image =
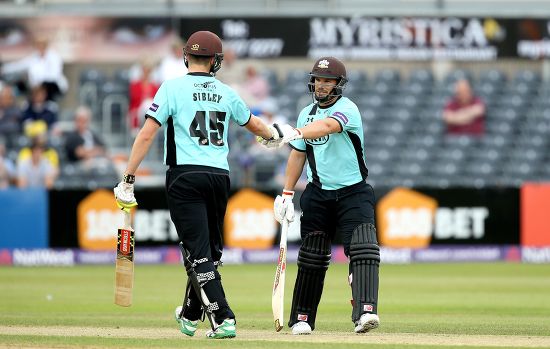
(125, 244)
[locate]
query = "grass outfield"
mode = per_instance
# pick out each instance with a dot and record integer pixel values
(421, 306)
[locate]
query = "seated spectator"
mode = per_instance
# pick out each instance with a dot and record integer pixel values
(10, 114)
(267, 110)
(36, 132)
(36, 171)
(172, 66)
(142, 92)
(232, 69)
(44, 67)
(255, 88)
(7, 168)
(464, 114)
(39, 108)
(83, 144)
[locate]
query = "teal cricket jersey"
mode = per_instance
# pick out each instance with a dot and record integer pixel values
(195, 110)
(337, 160)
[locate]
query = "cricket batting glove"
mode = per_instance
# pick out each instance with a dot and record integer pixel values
(124, 193)
(290, 133)
(275, 141)
(283, 206)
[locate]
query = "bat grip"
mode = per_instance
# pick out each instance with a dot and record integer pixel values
(127, 220)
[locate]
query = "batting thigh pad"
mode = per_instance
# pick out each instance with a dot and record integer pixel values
(313, 261)
(364, 264)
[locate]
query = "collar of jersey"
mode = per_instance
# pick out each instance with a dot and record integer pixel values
(330, 105)
(200, 74)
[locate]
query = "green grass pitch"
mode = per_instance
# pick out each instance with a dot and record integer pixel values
(501, 305)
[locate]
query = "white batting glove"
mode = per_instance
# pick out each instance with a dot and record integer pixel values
(124, 195)
(290, 133)
(283, 206)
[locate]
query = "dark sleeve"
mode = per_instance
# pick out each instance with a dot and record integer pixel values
(98, 140)
(72, 141)
(247, 121)
(339, 122)
(147, 116)
(293, 147)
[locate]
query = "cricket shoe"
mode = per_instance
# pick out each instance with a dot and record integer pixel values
(227, 329)
(367, 322)
(187, 327)
(301, 327)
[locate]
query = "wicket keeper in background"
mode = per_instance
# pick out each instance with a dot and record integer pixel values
(337, 198)
(195, 111)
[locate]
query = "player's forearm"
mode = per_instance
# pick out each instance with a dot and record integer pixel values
(294, 168)
(142, 144)
(139, 151)
(258, 127)
(320, 128)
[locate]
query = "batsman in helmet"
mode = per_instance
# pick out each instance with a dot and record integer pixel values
(329, 136)
(195, 111)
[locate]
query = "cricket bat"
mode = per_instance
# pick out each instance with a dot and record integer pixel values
(277, 300)
(124, 270)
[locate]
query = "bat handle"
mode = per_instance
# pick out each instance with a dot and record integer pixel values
(127, 220)
(284, 231)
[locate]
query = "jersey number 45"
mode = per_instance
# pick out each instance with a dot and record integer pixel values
(216, 127)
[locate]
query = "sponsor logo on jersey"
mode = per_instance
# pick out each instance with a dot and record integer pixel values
(208, 84)
(318, 141)
(154, 107)
(340, 116)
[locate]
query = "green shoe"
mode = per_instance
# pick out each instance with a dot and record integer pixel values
(187, 327)
(227, 329)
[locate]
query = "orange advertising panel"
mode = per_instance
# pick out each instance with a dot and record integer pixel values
(249, 221)
(406, 218)
(535, 214)
(98, 221)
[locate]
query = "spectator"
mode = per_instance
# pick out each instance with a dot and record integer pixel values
(83, 144)
(39, 108)
(464, 114)
(36, 132)
(44, 67)
(172, 65)
(142, 92)
(7, 168)
(36, 171)
(267, 110)
(233, 70)
(10, 114)
(255, 88)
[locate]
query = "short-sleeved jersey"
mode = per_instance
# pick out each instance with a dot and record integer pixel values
(336, 160)
(195, 110)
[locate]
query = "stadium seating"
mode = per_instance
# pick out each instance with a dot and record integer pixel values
(405, 143)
